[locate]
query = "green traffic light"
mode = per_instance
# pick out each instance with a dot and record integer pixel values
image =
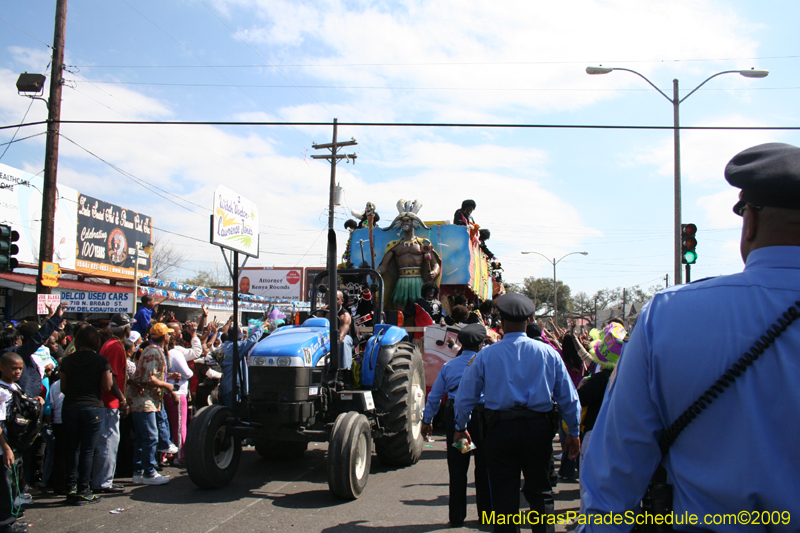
(689, 257)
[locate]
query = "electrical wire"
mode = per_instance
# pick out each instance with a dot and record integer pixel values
(16, 132)
(412, 125)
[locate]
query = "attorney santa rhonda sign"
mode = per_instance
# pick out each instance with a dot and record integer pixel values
(234, 222)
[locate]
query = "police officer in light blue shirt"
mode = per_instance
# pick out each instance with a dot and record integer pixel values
(520, 379)
(738, 456)
(470, 338)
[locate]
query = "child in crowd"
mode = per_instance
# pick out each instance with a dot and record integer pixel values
(11, 366)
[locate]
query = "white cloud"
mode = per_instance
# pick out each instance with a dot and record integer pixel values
(704, 153)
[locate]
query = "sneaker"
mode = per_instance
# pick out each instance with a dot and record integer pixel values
(23, 499)
(557, 457)
(156, 479)
(137, 479)
(113, 489)
(85, 498)
(172, 450)
(17, 527)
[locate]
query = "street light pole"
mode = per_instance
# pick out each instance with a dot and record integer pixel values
(676, 101)
(148, 249)
(555, 285)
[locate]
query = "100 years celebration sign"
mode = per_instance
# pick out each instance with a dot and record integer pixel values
(234, 222)
(108, 236)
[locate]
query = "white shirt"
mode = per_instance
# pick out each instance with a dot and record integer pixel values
(5, 397)
(178, 364)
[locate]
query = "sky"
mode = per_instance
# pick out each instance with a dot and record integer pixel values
(553, 191)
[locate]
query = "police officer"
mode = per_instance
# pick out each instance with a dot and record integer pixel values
(725, 460)
(520, 379)
(470, 338)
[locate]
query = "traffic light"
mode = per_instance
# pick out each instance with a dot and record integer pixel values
(8, 249)
(688, 244)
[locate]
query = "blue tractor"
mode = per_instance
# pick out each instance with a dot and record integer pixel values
(292, 393)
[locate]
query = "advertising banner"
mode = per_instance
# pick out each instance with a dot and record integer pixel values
(108, 236)
(45, 300)
(283, 283)
(97, 302)
(234, 222)
(21, 207)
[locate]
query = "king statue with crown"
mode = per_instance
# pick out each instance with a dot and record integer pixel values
(409, 261)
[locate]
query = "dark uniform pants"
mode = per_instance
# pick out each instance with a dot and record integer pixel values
(458, 466)
(511, 446)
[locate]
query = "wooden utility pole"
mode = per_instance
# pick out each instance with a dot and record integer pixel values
(332, 158)
(50, 191)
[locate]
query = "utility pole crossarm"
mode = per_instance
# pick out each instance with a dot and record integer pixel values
(334, 145)
(337, 156)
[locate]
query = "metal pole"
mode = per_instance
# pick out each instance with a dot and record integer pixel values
(49, 189)
(135, 278)
(235, 369)
(333, 304)
(555, 295)
(688, 273)
(676, 102)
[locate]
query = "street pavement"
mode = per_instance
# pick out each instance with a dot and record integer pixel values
(280, 496)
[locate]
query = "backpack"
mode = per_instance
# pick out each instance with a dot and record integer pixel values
(24, 420)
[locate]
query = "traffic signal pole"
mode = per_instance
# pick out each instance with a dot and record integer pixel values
(49, 190)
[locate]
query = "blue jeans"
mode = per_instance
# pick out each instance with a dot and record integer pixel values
(346, 353)
(144, 443)
(83, 428)
(164, 440)
(105, 457)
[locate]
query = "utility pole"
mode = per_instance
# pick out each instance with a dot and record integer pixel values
(666, 281)
(49, 191)
(624, 294)
(332, 158)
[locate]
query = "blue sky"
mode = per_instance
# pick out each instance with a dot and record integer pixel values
(554, 191)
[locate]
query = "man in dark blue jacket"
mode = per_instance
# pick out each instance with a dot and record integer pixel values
(26, 345)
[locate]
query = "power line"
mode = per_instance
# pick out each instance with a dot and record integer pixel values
(411, 125)
(451, 63)
(406, 88)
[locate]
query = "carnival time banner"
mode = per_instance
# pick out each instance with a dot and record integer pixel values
(108, 236)
(234, 222)
(21, 208)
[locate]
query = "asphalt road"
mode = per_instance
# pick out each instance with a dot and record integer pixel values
(278, 496)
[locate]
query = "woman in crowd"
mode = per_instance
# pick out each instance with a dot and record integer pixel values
(85, 374)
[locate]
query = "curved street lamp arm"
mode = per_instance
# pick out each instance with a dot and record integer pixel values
(653, 85)
(571, 253)
(548, 259)
(706, 80)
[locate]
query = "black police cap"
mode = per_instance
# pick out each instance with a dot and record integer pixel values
(120, 320)
(767, 174)
(515, 307)
(472, 335)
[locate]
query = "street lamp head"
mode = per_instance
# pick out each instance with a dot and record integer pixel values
(148, 248)
(584, 253)
(30, 83)
(753, 73)
(598, 70)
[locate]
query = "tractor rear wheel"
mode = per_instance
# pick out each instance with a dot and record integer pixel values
(400, 402)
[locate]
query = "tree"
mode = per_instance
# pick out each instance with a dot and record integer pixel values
(166, 259)
(210, 277)
(582, 305)
(540, 291)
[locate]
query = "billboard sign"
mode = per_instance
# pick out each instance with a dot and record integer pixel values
(21, 208)
(97, 302)
(234, 222)
(280, 283)
(108, 236)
